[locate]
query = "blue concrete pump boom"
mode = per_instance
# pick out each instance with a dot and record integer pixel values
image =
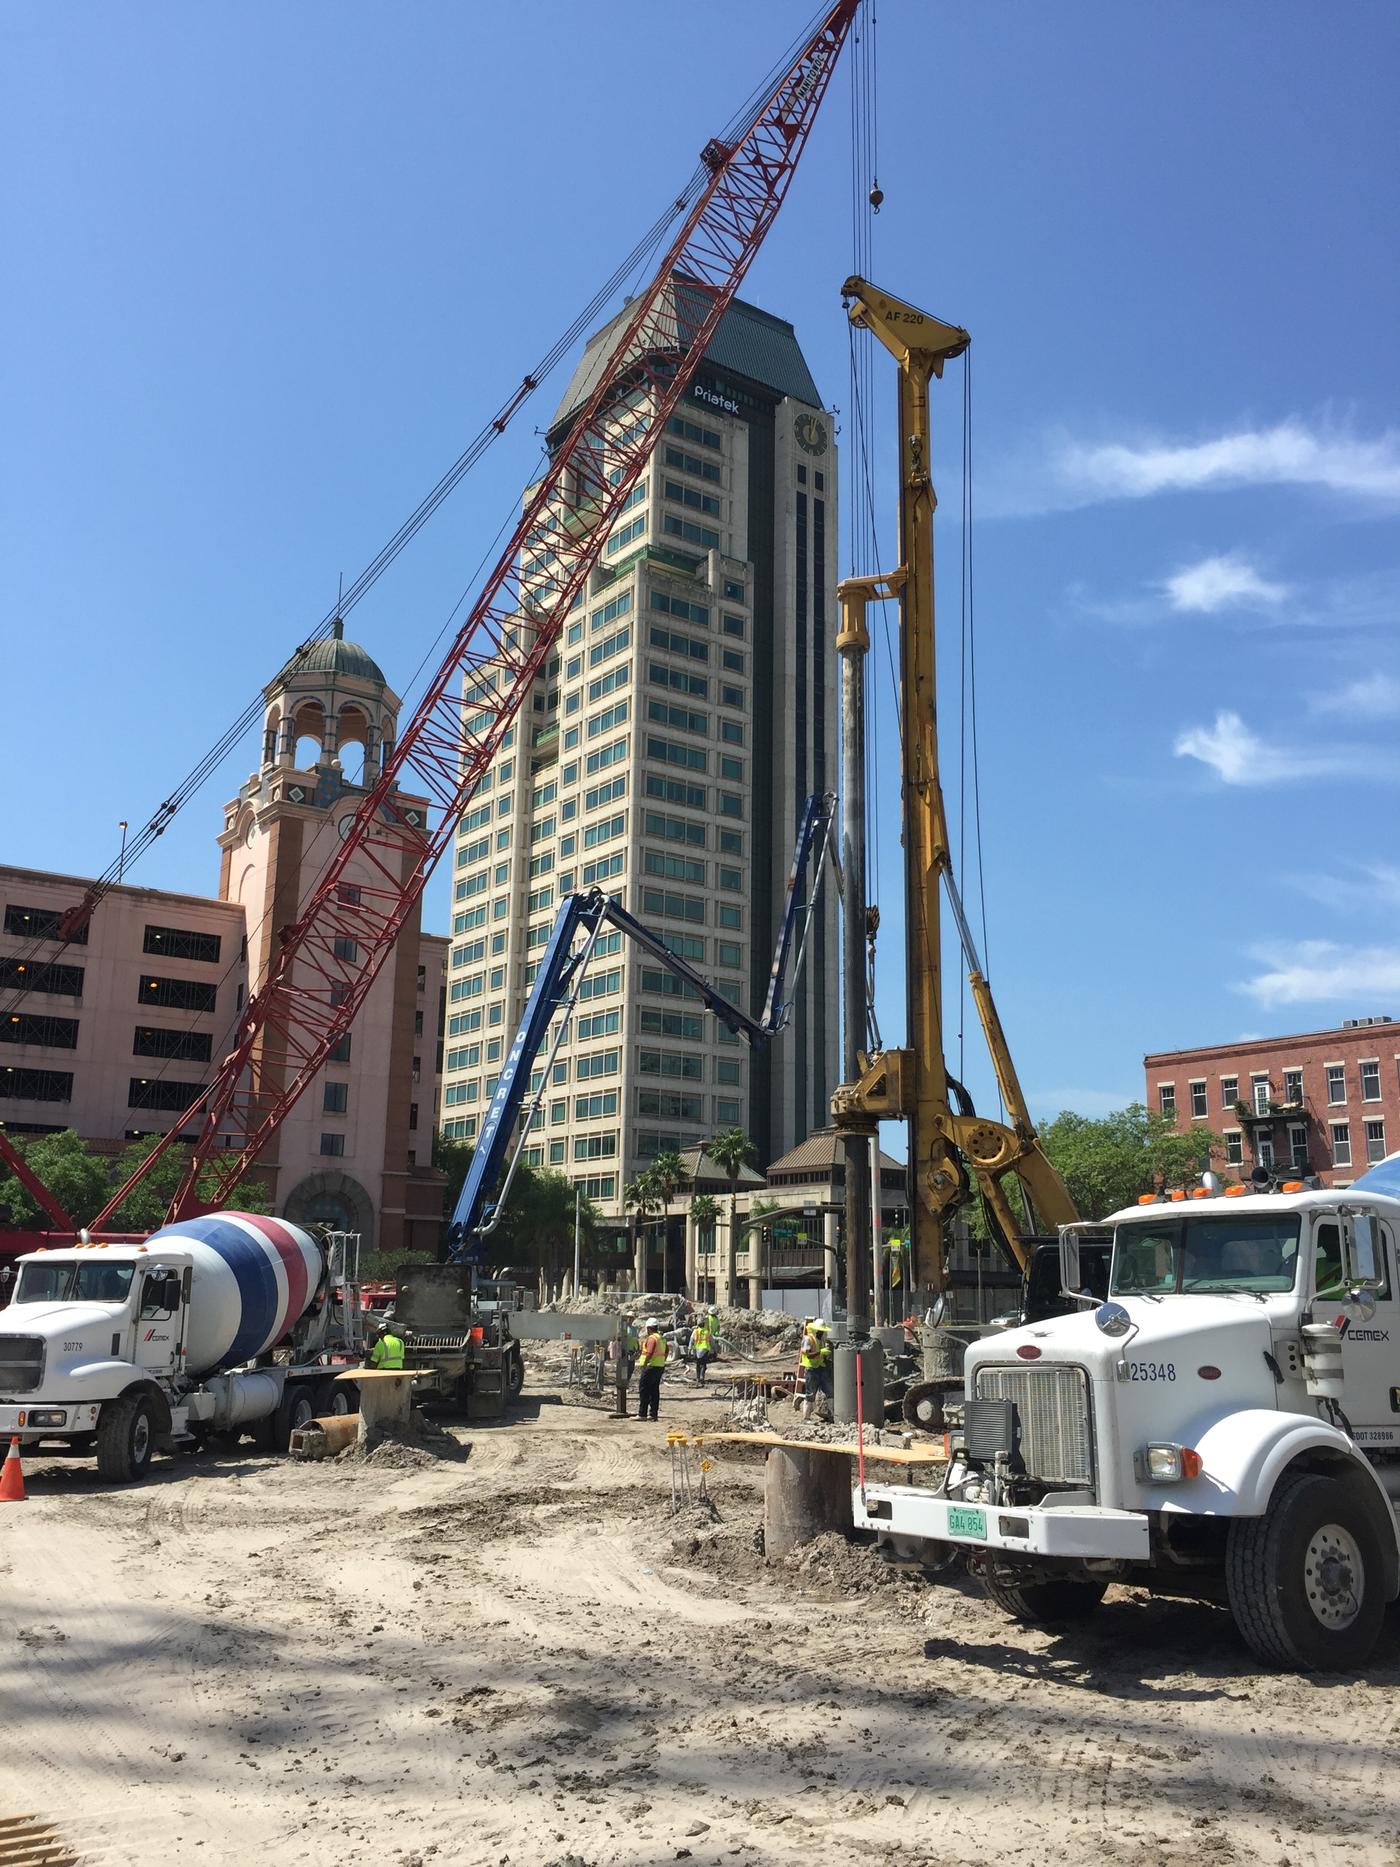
(580, 920)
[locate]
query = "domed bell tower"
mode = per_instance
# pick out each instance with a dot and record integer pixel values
(342, 1155)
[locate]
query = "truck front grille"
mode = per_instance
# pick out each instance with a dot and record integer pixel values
(1053, 1436)
(21, 1364)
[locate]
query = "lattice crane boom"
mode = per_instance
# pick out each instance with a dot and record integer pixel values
(313, 991)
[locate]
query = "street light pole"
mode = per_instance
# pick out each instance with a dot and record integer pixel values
(121, 859)
(578, 1196)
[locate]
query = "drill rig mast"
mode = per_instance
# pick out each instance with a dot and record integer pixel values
(913, 1083)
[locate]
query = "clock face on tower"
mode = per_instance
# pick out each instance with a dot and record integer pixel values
(250, 835)
(810, 433)
(345, 825)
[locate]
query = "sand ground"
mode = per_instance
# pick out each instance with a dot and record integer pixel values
(514, 1654)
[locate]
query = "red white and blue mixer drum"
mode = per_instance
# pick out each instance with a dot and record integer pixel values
(253, 1279)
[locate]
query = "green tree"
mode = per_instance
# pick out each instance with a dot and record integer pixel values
(145, 1206)
(539, 1220)
(704, 1211)
(78, 1180)
(732, 1151)
(668, 1175)
(453, 1158)
(642, 1196)
(1107, 1163)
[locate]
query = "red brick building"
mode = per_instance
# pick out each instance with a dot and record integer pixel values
(1327, 1099)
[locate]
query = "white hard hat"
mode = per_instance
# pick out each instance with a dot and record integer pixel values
(653, 1322)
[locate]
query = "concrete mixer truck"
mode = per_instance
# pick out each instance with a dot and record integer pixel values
(227, 1323)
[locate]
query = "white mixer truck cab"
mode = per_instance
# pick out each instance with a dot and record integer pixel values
(127, 1347)
(1223, 1426)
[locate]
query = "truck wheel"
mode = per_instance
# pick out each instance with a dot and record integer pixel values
(334, 1399)
(515, 1375)
(1304, 1580)
(1055, 1599)
(296, 1408)
(126, 1439)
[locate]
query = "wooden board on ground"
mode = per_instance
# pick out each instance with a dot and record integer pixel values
(934, 1454)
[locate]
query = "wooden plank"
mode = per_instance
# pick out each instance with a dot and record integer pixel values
(887, 1455)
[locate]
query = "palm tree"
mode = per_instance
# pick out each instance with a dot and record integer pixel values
(704, 1211)
(667, 1170)
(732, 1151)
(641, 1196)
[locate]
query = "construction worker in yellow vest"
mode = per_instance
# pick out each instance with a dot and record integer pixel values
(388, 1352)
(702, 1347)
(653, 1360)
(809, 1361)
(825, 1367)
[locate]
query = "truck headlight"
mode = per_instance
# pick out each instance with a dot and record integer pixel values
(48, 1416)
(1167, 1464)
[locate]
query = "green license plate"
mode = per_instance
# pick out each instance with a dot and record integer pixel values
(965, 1522)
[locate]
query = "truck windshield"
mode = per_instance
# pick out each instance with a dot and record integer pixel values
(73, 1283)
(1158, 1257)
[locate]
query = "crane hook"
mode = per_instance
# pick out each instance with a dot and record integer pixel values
(877, 195)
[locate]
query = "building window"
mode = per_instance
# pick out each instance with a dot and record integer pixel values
(1264, 1149)
(413, 1114)
(1198, 1100)
(340, 1050)
(177, 994)
(23, 975)
(40, 924)
(727, 1113)
(345, 947)
(187, 1046)
(51, 1033)
(1259, 1089)
(557, 1153)
(335, 1098)
(1371, 1080)
(1336, 1084)
(595, 1147)
(1166, 1098)
(1341, 1144)
(1234, 1148)
(150, 1093)
(181, 943)
(1293, 1087)
(1298, 1143)
(1229, 1091)
(1375, 1140)
(333, 1144)
(37, 1085)
(733, 592)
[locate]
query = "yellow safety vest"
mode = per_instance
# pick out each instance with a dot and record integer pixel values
(700, 1340)
(811, 1351)
(387, 1353)
(654, 1352)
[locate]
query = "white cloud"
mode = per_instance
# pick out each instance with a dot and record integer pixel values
(1290, 454)
(1370, 887)
(1374, 697)
(1239, 756)
(1320, 972)
(1221, 583)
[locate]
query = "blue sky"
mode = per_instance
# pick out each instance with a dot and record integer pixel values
(269, 267)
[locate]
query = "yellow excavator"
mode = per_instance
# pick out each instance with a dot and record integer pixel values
(953, 1152)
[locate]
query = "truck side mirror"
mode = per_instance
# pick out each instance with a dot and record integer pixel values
(1071, 1283)
(1359, 1252)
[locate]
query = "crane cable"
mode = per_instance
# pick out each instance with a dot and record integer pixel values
(863, 545)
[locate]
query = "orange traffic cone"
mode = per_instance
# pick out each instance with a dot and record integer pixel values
(12, 1475)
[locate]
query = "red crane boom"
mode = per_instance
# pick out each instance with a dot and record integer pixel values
(312, 990)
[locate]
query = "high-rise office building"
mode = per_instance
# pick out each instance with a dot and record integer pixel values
(664, 755)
